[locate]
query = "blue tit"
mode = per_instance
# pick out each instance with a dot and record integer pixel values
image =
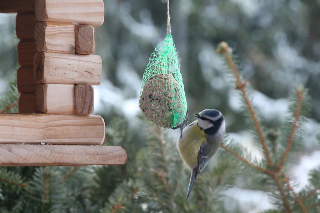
(200, 140)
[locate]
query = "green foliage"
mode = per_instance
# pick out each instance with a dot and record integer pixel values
(271, 211)
(286, 129)
(125, 199)
(11, 182)
(159, 162)
(10, 97)
(260, 34)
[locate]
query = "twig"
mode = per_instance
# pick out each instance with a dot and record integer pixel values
(162, 176)
(71, 172)
(46, 177)
(285, 203)
(296, 196)
(241, 87)
(315, 205)
(313, 192)
(22, 185)
(118, 206)
(10, 106)
(294, 127)
(161, 141)
(245, 161)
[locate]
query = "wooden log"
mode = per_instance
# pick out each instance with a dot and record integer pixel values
(55, 99)
(16, 6)
(54, 37)
(57, 155)
(54, 68)
(54, 129)
(71, 11)
(25, 23)
(85, 44)
(84, 99)
(26, 103)
(25, 80)
(26, 53)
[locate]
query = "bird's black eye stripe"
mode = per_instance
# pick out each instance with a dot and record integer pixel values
(204, 118)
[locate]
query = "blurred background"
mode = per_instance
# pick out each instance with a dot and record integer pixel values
(277, 43)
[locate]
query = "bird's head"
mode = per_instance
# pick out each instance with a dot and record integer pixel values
(211, 121)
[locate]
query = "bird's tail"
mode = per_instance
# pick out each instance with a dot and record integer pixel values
(193, 176)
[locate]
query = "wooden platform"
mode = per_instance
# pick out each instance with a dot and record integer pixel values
(58, 155)
(53, 129)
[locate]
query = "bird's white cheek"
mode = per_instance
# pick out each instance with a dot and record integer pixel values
(204, 124)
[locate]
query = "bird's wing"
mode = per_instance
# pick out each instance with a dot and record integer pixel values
(203, 159)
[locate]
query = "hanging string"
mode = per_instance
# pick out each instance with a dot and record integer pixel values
(168, 18)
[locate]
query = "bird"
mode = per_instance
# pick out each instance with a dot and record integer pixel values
(199, 141)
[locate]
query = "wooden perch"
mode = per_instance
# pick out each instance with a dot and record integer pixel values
(71, 11)
(26, 53)
(57, 155)
(54, 129)
(85, 44)
(55, 99)
(25, 23)
(54, 68)
(26, 103)
(54, 37)
(25, 80)
(84, 99)
(16, 6)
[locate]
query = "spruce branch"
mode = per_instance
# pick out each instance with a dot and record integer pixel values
(11, 181)
(299, 201)
(224, 49)
(164, 174)
(46, 177)
(21, 185)
(315, 205)
(313, 192)
(71, 172)
(283, 197)
(240, 85)
(7, 108)
(160, 170)
(117, 207)
(245, 161)
(299, 93)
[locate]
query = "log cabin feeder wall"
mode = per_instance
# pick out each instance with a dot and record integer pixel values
(57, 70)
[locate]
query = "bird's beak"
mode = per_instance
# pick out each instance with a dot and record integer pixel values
(197, 115)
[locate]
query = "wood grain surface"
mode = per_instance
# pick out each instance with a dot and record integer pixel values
(25, 80)
(60, 155)
(71, 11)
(54, 68)
(54, 129)
(25, 23)
(55, 99)
(15, 6)
(55, 37)
(85, 44)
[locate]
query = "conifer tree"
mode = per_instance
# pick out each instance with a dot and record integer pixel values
(154, 178)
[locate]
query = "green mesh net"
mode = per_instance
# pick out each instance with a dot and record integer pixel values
(162, 97)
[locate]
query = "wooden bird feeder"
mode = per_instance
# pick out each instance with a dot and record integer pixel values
(54, 126)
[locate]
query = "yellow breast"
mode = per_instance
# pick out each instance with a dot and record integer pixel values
(189, 144)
